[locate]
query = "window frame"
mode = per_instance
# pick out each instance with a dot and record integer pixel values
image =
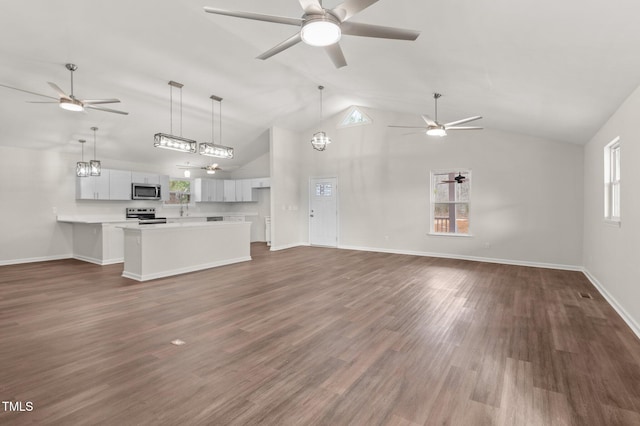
(191, 195)
(612, 179)
(432, 202)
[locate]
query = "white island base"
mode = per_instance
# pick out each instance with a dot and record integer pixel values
(156, 251)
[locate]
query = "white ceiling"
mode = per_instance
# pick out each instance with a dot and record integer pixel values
(548, 68)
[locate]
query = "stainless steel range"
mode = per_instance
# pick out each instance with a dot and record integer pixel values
(145, 215)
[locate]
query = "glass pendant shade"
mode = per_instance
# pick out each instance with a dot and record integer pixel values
(214, 150)
(82, 167)
(94, 165)
(175, 143)
(320, 140)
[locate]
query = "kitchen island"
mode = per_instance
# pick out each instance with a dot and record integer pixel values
(156, 251)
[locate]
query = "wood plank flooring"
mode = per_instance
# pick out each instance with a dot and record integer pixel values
(314, 336)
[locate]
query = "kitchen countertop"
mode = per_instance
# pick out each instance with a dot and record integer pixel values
(167, 226)
(90, 219)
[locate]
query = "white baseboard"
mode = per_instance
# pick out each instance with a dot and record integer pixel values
(287, 246)
(470, 258)
(178, 271)
(631, 322)
(35, 259)
(99, 261)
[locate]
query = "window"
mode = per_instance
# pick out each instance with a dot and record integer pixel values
(179, 192)
(450, 202)
(354, 117)
(323, 190)
(612, 181)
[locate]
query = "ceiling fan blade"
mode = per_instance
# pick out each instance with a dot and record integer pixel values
(99, 108)
(43, 102)
(415, 133)
(378, 31)
(335, 53)
(27, 91)
(463, 128)
(409, 127)
(255, 16)
(464, 120)
(58, 90)
(430, 121)
(311, 6)
(346, 10)
(100, 101)
(291, 41)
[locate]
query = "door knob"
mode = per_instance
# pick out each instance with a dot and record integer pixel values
(310, 215)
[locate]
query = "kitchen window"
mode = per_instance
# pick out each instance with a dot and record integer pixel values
(179, 192)
(612, 181)
(450, 202)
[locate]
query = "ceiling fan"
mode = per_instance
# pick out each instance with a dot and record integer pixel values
(434, 128)
(211, 168)
(457, 179)
(324, 27)
(70, 102)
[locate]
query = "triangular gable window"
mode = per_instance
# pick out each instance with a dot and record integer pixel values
(355, 117)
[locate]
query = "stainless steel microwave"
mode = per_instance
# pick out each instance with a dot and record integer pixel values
(145, 191)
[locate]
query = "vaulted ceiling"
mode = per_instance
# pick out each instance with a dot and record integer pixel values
(553, 69)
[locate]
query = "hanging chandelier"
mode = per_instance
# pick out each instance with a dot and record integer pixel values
(169, 141)
(94, 165)
(320, 140)
(82, 167)
(211, 149)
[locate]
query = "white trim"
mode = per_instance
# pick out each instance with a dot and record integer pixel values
(162, 274)
(470, 258)
(35, 259)
(288, 246)
(448, 234)
(635, 327)
(98, 261)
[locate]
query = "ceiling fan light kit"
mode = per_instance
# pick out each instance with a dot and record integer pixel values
(321, 31)
(323, 27)
(70, 102)
(434, 128)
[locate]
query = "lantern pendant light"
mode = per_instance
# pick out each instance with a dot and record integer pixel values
(212, 149)
(320, 140)
(82, 167)
(94, 165)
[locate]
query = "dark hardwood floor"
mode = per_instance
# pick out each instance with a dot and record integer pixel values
(312, 336)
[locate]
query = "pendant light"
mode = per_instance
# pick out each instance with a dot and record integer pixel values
(211, 149)
(169, 141)
(94, 165)
(82, 167)
(320, 140)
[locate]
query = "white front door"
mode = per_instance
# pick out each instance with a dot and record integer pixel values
(323, 212)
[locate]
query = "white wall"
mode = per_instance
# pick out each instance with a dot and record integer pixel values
(526, 203)
(611, 252)
(286, 188)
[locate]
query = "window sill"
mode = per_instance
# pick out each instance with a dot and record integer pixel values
(448, 234)
(614, 223)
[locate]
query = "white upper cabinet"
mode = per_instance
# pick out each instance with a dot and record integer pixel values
(119, 185)
(142, 177)
(93, 187)
(229, 190)
(264, 182)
